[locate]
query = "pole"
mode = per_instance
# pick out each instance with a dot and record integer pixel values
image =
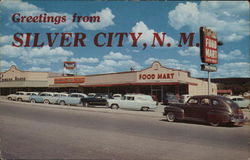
(208, 73)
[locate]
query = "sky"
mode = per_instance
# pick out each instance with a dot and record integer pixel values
(229, 19)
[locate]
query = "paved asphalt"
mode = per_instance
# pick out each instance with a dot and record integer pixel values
(36, 132)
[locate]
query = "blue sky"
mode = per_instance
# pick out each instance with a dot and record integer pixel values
(229, 19)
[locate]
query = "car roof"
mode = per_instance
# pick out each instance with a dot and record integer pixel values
(235, 97)
(132, 94)
(208, 96)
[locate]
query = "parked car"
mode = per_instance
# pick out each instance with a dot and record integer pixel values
(25, 97)
(91, 94)
(184, 98)
(134, 102)
(214, 110)
(241, 101)
(40, 97)
(99, 99)
(71, 99)
(53, 99)
(117, 96)
(14, 96)
(170, 99)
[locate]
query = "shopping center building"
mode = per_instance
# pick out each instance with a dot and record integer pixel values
(154, 80)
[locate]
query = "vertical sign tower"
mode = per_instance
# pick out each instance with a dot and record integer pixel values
(208, 51)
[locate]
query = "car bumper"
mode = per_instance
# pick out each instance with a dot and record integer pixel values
(238, 119)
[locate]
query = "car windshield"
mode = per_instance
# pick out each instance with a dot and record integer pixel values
(171, 97)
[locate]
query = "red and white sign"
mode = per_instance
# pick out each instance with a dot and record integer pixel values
(69, 64)
(208, 46)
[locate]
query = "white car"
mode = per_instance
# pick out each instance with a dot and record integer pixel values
(53, 99)
(241, 101)
(117, 96)
(14, 96)
(25, 97)
(133, 102)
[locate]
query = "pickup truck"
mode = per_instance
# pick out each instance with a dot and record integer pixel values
(98, 99)
(71, 99)
(134, 102)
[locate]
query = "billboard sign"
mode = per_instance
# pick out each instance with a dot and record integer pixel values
(69, 64)
(208, 46)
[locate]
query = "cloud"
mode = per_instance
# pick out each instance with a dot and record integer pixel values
(106, 20)
(4, 65)
(116, 56)
(236, 69)
(147, 34)
(27, 9)
(36, 56)
(112, 62)
(5, 39)
(218, 16)
(177, 64)
(235, 54)
(191, 51)
(85, 60)
(19, 5)
(39, 69)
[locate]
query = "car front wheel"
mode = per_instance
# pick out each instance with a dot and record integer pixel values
(114, 106)
(33, 101)
(170, 117)
(62, 103)
(86, 104)
(46, 101)
(144, 108)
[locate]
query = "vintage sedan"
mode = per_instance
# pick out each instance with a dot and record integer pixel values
(14, 96)
(214, 110)
(99, 99)
(241, 101)
(53, 99)
(71, 99)
(40, 97)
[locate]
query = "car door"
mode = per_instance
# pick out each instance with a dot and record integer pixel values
(203, 108)
(128, 102)
(97, 100)
(191, 108)
(75, 99)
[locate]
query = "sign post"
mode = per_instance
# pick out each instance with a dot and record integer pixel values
(208, 51)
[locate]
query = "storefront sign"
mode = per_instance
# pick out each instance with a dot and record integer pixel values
(208, 46)
(158, 76)
(69, 65)
(13, 79)
(210, 68)
(69, 80)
